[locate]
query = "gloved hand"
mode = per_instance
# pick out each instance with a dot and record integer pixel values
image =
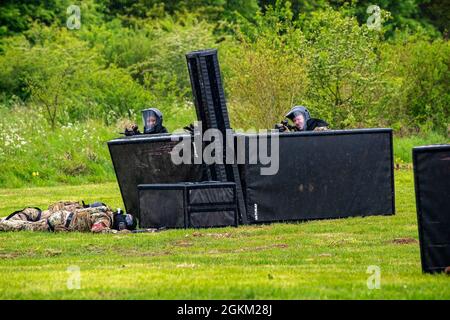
(189, 128)
(283, 126)
(280, 127)
(132, 130)
(99, 227)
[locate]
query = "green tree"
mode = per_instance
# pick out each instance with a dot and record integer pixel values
(57, 67)
(18, 16)
(266, 70)
(419, 70)
(345, 75)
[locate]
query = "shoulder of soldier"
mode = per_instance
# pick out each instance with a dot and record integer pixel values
(313, 123)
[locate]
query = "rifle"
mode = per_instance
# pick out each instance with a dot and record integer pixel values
(131, 132)
(284, 126)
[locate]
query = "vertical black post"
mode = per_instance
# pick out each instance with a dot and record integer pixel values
(211, 108)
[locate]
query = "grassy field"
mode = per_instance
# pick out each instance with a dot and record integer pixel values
(314, 260)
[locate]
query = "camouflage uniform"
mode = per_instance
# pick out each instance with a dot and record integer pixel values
(61, 216)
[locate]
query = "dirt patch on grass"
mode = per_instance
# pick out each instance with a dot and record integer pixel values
(183, 243)
(147, 253)
(11, 255)
(52, 252)
(17, 254)
(326, 255)
(93, 248)
(212, 235)
(404, 241)
(186, 265)
(340, 242)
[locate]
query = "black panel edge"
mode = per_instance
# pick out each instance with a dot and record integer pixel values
(431, 147)
(320, 133)
(190, 185)
(201, 53)
(118, 182)
(418, 211)
(391, 141)
(147, 138)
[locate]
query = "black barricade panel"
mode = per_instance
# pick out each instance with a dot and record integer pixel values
(188, 205)
(162, 208)
(432, 183)
(146, 159)
(330, 174)
(211, 108)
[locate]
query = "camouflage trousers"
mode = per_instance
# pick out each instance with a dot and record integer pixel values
(32, 219)
(20, 225)
(29, 219)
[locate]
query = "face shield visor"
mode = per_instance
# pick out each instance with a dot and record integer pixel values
(152, 119)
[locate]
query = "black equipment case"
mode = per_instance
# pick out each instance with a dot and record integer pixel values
(188, 205)
(432, 186)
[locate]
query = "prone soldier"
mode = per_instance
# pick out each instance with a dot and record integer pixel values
(70, 216)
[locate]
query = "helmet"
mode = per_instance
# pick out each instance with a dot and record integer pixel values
(295, 111)
(152, 127)
(124, 221)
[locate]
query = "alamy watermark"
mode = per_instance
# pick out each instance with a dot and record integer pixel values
(74, 278)
(374, 280)
(74, 19)
(374, 20)
(210, 146)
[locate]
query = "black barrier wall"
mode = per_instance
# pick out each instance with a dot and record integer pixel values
(146, 159)
(432, 185)
(330, 174)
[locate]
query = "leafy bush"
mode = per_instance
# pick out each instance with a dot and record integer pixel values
(266, 71)
(67, 80)
(419, 71)
(344, 70)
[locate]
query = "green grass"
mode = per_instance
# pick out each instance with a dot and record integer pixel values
(403, 145)
(314, 260)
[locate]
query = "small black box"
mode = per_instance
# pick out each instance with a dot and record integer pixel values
(432, 185)
(188, 205)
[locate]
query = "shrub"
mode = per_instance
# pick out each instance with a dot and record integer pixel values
(419, 69)
(266, 72)
(346, 79)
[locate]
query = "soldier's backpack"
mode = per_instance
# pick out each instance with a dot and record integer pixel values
(28, 215)
(93, 204)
